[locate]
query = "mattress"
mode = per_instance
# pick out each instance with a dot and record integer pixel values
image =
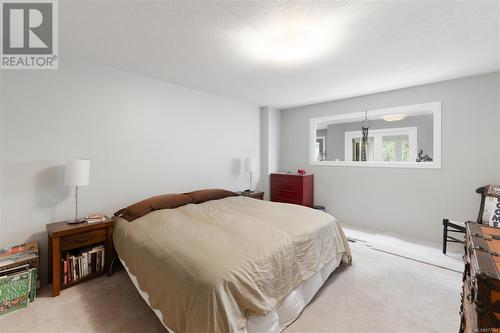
(280, 317)
(209, 267)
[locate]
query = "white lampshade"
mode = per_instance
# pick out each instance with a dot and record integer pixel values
(77, 172)
(250, 164)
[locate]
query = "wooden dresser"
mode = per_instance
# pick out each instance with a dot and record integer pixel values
(480, 309)
(292, 188)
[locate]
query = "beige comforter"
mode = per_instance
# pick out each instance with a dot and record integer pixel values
(207, 267)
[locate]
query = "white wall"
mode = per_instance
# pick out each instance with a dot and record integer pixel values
(1, 145)
(274, 139)
(264, 151)
(270, 133)
(408, 201)
(143, 137)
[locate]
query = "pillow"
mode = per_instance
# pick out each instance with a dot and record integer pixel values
(491, 206)
(144, 207)
(213, 194)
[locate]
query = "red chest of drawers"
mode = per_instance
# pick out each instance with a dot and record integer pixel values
(292, 188)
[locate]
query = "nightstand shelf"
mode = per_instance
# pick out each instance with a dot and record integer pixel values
(65, 237)
(83, 279)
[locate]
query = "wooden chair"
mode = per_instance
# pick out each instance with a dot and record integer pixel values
(483, 217)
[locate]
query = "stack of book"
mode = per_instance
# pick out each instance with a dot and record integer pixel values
(94, 218)
(15, 256)
(18, 276)
(83, 262)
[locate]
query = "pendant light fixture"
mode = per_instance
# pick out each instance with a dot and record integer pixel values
(365, 125)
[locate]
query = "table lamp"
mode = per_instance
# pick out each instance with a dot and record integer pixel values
(77, 174)
(250, 168)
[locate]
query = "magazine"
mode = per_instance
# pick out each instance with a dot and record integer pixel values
(15, 291)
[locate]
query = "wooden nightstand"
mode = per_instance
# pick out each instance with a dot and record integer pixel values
(253, 194)
(65, 237)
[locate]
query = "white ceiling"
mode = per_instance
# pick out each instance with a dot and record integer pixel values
(361, 48)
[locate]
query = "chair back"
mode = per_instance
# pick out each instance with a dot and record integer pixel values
(489, 211)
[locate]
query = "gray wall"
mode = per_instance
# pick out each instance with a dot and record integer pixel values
(336, 134)
(408, 201)
(143, 137)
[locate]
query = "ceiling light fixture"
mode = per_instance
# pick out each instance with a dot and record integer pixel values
(290, 39)
(394, 117)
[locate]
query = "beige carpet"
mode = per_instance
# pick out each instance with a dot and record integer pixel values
(378, 293)
(410, 247)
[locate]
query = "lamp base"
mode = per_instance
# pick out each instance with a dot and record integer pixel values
(76, 221)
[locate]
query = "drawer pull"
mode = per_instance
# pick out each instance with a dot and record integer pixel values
(81, 240)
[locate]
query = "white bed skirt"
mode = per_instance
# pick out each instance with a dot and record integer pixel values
(289, 309)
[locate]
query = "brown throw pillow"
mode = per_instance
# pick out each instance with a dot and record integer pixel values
(144, 207)
(213, 194)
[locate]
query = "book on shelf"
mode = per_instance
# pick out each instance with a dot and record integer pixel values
(66, 268)
(82, 262)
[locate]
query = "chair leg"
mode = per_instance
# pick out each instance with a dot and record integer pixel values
(445, 234)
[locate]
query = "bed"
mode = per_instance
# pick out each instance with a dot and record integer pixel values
(235, 264)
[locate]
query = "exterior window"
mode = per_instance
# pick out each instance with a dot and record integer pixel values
(387, 145)
(356, 149)
(396, 148)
